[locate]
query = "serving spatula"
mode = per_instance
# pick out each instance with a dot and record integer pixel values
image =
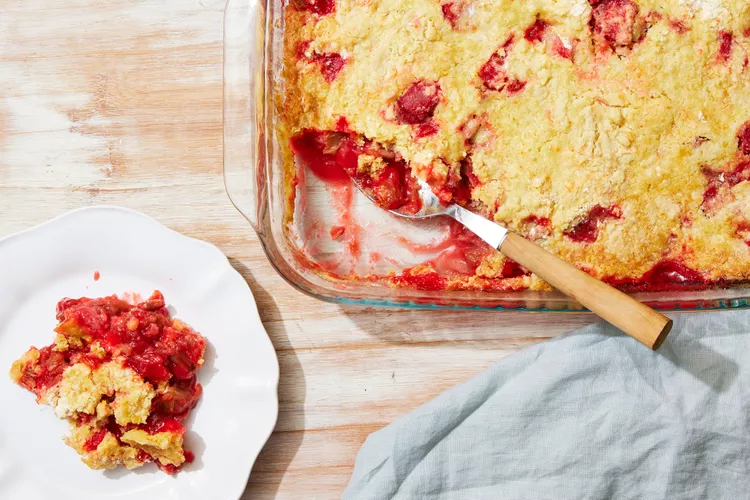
(632, 317)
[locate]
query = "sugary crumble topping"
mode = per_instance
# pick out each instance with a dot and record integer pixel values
(614, 133)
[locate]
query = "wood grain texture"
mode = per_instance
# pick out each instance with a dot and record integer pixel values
(120, 102)
(632, 317)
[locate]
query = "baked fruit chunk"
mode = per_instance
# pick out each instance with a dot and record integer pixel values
(123, 376)
(614, 133)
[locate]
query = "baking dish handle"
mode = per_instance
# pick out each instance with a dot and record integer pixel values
(244, 87)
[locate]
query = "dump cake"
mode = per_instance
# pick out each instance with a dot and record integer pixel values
(123, 376)
(614, 133)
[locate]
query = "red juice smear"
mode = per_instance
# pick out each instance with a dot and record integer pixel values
(442, 243)
(461, 252)
(342, 202)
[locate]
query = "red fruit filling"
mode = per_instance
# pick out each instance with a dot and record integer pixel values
(512, 269)
(457, 188)
(559, 48)
(334, 157)
(456, 13)
(678, 26)
(616, 22)
(430, 281)
(535, 227)
(45, 373)
(342, 125)
(535, 32)
(426, 130)
(743, 139)
(319, 151)
(587, 230)
(418, 103)
(667, 275)
(92, 443)
(143, 335)
(743, 231)
(515, 86)
(494, 75)
(321, 7)
(157, 425)
(330, 64)
(719, 184)
(726, 40)
(178, 399)
(469, 129)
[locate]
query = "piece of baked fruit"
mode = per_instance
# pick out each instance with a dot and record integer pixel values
(123, 376)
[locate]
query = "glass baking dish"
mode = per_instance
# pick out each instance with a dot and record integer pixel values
(253, 174)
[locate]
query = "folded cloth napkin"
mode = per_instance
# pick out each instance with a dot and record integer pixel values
(590, 415)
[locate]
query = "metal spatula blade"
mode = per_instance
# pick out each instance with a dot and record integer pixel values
(632, 317)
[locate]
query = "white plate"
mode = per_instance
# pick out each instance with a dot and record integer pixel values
(133, 253)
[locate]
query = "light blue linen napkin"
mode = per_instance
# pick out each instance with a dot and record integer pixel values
(590, 415)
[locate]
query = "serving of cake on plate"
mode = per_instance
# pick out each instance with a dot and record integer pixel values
(614, 133)
(123, 376)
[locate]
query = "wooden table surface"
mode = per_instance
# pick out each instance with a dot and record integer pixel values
(120, 102)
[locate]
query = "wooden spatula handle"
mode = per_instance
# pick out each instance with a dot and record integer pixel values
(636, 319)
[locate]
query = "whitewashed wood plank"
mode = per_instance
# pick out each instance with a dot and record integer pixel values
(119, 102)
